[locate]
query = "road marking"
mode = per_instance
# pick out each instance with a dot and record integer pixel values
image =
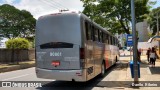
(16, 77)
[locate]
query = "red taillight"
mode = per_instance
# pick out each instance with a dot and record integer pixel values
(82, 53)
(55, 63)
(78, 74)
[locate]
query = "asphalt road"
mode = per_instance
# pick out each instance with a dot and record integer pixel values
(115, 73)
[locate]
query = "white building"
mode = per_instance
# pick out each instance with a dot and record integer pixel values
(143, 31)
(3, 42)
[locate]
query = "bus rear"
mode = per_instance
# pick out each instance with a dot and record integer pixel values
(58, 46)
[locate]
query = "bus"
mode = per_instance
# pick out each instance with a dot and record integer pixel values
(71, 47)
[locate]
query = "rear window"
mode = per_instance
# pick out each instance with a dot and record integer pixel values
(56, 45)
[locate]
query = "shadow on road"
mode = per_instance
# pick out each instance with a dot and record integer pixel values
(69, 85)
(96, 82)
(89, 85)
(154, 70)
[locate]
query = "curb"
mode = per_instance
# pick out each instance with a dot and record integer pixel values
(16, 67)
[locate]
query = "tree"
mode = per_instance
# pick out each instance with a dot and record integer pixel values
(17, 43)
(15, 22)
(115, 15)
(153, 19)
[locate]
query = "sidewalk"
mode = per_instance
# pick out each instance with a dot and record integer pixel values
(147, 73)
(12, 67)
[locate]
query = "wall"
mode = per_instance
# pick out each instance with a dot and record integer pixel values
(146, 45)
(8, 55)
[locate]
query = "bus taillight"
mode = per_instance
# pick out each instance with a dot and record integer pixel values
(82, 53)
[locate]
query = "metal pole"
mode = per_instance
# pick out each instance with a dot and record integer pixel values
(135, 65)
(157, 25)
(130, 54)
(158, 31)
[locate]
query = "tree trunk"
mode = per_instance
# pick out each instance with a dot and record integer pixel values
(124, 27)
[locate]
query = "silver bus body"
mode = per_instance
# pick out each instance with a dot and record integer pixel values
(63, 51)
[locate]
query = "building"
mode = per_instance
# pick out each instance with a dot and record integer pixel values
(121, 38)
(143, 31)
(3, 41)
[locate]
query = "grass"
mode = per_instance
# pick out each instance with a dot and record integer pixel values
(13, 66)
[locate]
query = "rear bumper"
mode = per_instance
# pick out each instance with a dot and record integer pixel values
(65, 75)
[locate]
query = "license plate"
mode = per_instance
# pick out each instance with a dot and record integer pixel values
(55, 63)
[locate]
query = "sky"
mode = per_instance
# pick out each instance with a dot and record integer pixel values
(43, 7)
(157, 4)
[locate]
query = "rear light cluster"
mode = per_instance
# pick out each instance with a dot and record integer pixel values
(78, 74)
(82, 53)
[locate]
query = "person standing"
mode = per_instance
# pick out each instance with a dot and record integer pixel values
(153, 57)
(148, 53)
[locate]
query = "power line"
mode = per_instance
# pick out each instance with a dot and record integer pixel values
(49, 4)
(52, 3)
(58, 4)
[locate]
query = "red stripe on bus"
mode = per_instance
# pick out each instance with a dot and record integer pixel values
(107, 63)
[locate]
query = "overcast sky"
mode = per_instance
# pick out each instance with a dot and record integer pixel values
(42, 7)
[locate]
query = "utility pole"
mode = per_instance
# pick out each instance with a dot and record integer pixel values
(158, 31)
(135, 65)
(157, 25)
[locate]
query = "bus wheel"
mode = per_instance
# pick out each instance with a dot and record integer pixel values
(116, 59)
(103, 69)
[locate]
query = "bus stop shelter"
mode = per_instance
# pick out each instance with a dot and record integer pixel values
(154, 38)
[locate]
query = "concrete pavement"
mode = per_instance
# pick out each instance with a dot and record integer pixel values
(148, 75)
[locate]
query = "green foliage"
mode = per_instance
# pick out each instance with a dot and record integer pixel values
(16, 23)
(153, 19)
(17, 43)
(115, 15)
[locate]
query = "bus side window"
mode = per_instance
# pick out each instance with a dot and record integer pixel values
(110, 38)
(103, 37)
(96, 36)
(88, 31)
(92, 33)
(106, 37)
(100, 36)
(116, 42)
(113, 40)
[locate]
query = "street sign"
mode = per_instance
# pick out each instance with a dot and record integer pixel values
(129, 40)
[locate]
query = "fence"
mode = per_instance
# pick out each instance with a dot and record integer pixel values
(17, 55)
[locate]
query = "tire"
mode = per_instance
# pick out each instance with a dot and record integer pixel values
(103, 69)
(116, 59)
